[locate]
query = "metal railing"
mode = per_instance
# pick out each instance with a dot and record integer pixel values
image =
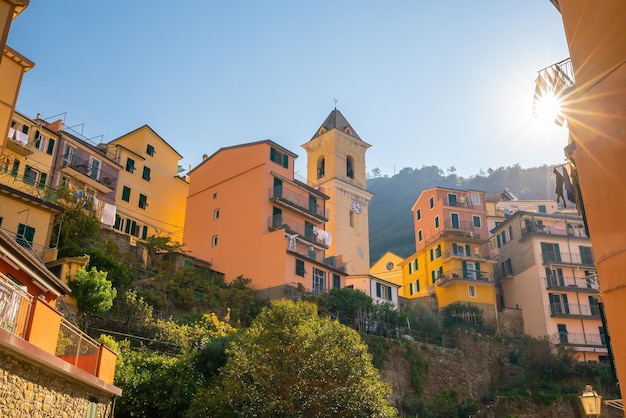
(301, 200)
(553, 281)
(15, 307)
(570, 338)
(553, 230)
(29, 186)
(77, 348)
(572, 309)
(36, 249)
(462, 253)
(568, 258)
(292, 226)
(464, 275)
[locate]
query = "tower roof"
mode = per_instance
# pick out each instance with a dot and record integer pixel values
(336, 120)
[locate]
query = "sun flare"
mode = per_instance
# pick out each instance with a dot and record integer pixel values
(548, 107)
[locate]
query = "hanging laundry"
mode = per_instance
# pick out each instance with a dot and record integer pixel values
(569, 188)
(559, 187)
(108, 214)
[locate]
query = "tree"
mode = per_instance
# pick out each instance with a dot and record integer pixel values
(292, 363)
(78, 227)
(93, 292)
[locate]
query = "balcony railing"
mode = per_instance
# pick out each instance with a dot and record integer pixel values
(299, 200)
(37, 322)
(580, 339)
(99, 172)
(37, 250)
(291, 226)
(464, 202)
(29, 186)
(575, 310)
(15, 306)
(568, 259)
(464, 275)
(462, 253)
(77, 348)
(553, 230)
(571, 283)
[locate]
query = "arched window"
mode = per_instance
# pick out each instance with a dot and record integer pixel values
(320, 167)
(350, 167)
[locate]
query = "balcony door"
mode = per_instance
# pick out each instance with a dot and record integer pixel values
(454, 220)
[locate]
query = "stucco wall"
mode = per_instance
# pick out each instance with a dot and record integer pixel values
(27, 390)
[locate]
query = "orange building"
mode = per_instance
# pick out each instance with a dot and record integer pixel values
(249, 216)
(594, 109)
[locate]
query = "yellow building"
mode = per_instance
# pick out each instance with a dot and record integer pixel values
(336, 165)
(451, 263)
(150, 194)
(389, 268)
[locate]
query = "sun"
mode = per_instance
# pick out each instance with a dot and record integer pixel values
(548, 107)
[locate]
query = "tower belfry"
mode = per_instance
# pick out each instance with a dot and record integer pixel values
(336, 164)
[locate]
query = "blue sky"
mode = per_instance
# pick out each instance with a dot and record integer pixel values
(445, 83)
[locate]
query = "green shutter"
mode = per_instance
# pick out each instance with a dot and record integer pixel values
(285, 161)
(50, 149)
(410, 288)
(378, 292)
(468, 252)
(417, 286)
(389, 295)
(144, 233)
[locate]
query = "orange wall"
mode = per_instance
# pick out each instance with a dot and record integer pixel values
(596, 36)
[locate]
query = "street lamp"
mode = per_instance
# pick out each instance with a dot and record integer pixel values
(591, 402)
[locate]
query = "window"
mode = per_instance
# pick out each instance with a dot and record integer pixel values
(30, 175)
(383, 292)
(350, 167)
(562, 329)
(143, 201)
(452, 199)
(475, 199)
(471, 290)
(50, 148)
(216, 213)
(279, 158)
(94, 168)
(25, 235)
(68, 154)
(454, 220)
(43, 178)
(542, 208)
(510, 233)
(550, 252)
(558, 304)
(499, 240)
(214, 241)
(40, 141)
(431, 202)
(319, 281)
(554, 277)
(336, 281)
(413, 266)
(92, 408)
(586, 255)
(437, 222)
(15, 168)
(476, 220)
(150, 150)
(130, 165)
(144, 232)
(146, 173)
(214, 196)
(126, 194)
(419, 214)
(300, 268)
(420, 236)
(410, 288)
(321, 163)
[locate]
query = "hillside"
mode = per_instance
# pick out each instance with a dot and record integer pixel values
(390, 219)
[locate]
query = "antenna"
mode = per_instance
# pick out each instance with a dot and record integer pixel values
(335, 100)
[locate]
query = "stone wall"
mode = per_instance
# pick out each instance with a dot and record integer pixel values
(28, 390)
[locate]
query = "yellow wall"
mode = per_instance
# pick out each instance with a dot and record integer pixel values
(394, 274)
(166, 192)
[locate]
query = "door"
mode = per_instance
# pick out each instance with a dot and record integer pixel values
(562, 328)
(454, 219)
(278, 188)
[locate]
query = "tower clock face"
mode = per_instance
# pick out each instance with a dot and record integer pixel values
(356, 207)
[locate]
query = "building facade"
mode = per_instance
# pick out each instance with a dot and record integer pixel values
(248, 216)
(546, 268)
(451, 263)
(336, 164)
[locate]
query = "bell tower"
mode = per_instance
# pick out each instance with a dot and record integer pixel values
(336, 164)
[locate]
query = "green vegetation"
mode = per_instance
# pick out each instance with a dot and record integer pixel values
(93, 292)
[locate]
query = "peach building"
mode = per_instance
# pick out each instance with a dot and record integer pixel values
(248, 216)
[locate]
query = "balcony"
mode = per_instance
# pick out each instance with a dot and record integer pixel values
(571, 310)
(17, 142)
(301, 202)
(461, 231)
(571, 284)
(579, 339)
(21, 186)
(293, 227)
(453, 276)
(539, 228)
(92, 173)
(465, 202)
(306, 250)
(43, 253)
(568, 259)
(35, 321)
(462, 254)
